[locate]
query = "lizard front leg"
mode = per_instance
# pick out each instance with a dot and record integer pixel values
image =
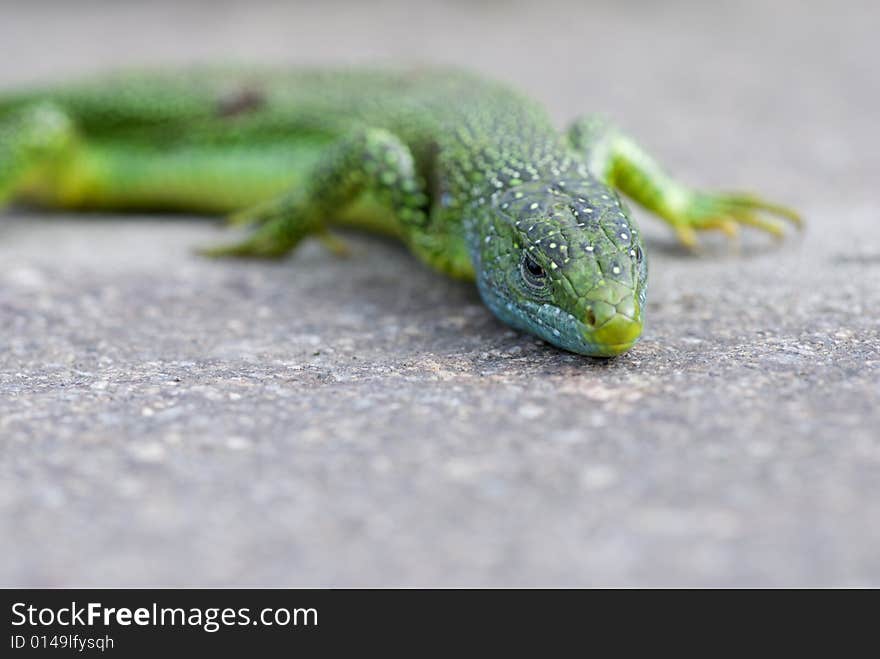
(368, 161)
(620, 162)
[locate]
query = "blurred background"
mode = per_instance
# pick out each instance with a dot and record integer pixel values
(166, 420)
(639, 61)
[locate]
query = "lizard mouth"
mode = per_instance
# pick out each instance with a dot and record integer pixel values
(607, 333)
(615, 334)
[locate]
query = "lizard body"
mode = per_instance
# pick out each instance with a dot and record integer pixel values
(469, 173)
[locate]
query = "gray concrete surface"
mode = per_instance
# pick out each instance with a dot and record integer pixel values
(169, 420)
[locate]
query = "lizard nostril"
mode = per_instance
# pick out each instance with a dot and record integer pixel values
(590, 318)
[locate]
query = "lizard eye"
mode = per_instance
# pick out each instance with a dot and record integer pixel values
(532, 273)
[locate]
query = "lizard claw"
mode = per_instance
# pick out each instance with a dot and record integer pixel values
(333, 244)
(687, 237)
(252, 215)
(749, 202)
(240, 218)
(727, 212)
(270, 241)
(246, 249)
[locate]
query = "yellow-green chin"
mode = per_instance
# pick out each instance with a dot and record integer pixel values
(616, 336)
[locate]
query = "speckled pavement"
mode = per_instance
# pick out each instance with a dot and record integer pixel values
(167, 420)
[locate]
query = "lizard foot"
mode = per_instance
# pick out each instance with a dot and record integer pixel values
(727, 212)
(273, 240)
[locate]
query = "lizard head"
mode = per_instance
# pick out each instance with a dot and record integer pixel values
(564, 261)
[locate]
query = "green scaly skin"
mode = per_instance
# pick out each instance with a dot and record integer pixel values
(470, 174)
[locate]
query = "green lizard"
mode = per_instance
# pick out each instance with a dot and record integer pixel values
(469, 173)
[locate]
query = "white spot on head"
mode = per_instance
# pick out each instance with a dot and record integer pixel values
(615, 270)
(552, 245)
(624, 236)
(533, 205)
(589, 248)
